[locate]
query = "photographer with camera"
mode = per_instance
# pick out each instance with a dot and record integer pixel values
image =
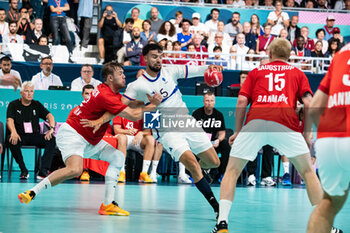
(23, 25)
(108, 24)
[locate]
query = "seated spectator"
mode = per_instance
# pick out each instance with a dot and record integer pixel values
(30, 12)
(218, 41)
(322, 4)
(46, 78)
(320, 33)
(232, 63)
(176, 22)
(283, 34)
(336, 35)
(13, 13)
(278, 19)
(58, 22)
(108, 24)
(310, 4)
(43, 40)
(264, 41)
(235, 3)
(23, 24)
(156, 22)
(146, 33)
(11, 38)
(191, 59)
(234, 27)
(318, 53)
(309, 43)
(134, 48)
(292, 59)
(329, 27)
(25, 130)
(86, 78)
(250, 63)
(212, 24)
(217, 59)
(268, 3)
(293, 29)
(290, 4)
(4, 26)
(168, 57)
(250, 40)
(333, 48)
(221, 29)
(347, 5)
(162, 42)
(241, 50)
(301, 51)
(135, 13)
(32, 36)
(167, 30)
(121, 38)
(197, 26)
(6, 65)
(197, 41)
(185, 37)
(256, 29)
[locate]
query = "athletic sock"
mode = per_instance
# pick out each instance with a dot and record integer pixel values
(145, 165)
(204, 188)
(182, 169)
(224, 210)
(123, 168)
(44, 184)
(285, 167)
(154, 167)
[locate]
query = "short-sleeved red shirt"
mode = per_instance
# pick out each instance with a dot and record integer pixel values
(335, 122)
(273, 90)
(102, 100)
(127, 124)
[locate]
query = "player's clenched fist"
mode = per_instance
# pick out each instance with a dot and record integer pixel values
(156, 99)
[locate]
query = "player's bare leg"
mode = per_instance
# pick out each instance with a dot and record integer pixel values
(209, 159)
(122, 145)
(322, 218)
(147, 144)
(191, 164)
(313, 186)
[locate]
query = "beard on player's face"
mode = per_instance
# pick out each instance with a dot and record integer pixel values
(155, 68)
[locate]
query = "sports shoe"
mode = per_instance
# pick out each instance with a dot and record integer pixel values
(121, 178)
(251, 180)
(144, 178)
(24, 175)
(112, 209)
(42, 175)
(221, 227)
(267, 181)
(154, 177)
(85, 176)
(26, 196)
(184, 179)
(286, 180)
(207, 176)
(336, 230)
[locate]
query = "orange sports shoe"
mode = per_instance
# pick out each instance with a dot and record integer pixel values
(121, 178)
(26, 196)
(144, 178)
(112, 209)
(85, 176)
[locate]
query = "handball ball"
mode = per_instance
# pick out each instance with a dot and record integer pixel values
(212, 77)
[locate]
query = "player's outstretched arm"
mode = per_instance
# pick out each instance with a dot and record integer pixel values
(241, 109)
(317, 106)
(197, 71)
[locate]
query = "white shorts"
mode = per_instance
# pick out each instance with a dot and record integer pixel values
(176, 143)
(131, 146)
(333, 159)
(70, 142)
(258, 133)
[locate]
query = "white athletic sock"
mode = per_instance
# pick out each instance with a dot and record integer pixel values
(109, 192)
(224, 210)
(44, 184)
(182, 169)
(285, 167)
(154, 167)
(145, 165)
(123, 168)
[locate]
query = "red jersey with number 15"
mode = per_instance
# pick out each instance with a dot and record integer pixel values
(335, 121)
(128, 124)
(272, 91)
(102, 100)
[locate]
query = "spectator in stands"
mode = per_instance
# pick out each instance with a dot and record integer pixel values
(121, 38)
(235, 3)
(176, 22)
(249, 2)
(347, 5)
(264, 41)
(216, 133)
(221, 29)
(310, 4)
(309, 43)
(293, 29)
(162, 42)
(185, 37)
(32, 36)
(23, 24)
(6, 65)
(322, 4)
(318, 53)
(334, 46)
(268, 3)
(320, 33)
(85, 13)
(302, 51)
(250, 40)
(191, 59)
(167, 30)
(134, 48)
(217, 59)
(46, 78)
(23, 123)
(212, 24)
(108, 24)
(329, 27)
(11, 38)
(58, 21)
(256, 28)
(197, 26)
(86, 78)
(135, 13)
(292, 59)
(156, 22)
(218, 41)
(278, 19)
(197, 41)
(290, 4)
(30, 12)
(232, 63)
(43, 40)
(4, 27)
(234, 27)
(283, 34)
(12, 14)
(241, 50)
(168, 57)
(336, 35)
(146, 33)
(250, 63)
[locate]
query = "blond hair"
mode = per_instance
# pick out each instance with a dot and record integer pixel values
(280, 48)
(26, 84)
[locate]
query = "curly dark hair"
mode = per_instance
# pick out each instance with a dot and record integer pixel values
(162, 31)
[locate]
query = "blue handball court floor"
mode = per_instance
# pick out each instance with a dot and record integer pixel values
(164, 207)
